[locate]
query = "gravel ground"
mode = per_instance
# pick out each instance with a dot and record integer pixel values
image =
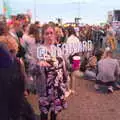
(89, 105)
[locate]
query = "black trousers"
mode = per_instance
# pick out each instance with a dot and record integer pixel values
(23, 111)
(105, 83)
(44, 116)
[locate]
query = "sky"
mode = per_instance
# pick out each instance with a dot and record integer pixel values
(90, 11)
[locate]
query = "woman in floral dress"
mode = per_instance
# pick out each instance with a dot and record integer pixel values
(50, 76)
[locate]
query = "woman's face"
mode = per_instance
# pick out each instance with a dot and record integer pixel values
(49, 35)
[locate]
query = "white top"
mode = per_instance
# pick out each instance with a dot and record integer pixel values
(72, 39)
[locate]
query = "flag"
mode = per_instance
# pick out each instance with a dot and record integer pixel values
(6, 9)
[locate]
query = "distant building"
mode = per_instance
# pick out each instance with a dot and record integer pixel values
(114, 18)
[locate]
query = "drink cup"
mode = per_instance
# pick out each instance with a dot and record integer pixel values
(76, 63)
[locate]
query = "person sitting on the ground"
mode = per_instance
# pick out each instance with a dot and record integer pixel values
(91, 71)
(99, 54)
(108, 72)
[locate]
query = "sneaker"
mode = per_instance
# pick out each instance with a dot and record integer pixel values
(67, 93)
(110, 89)
(96, 86)
(118, 86)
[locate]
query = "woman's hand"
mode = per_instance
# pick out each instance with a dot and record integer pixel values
(44, 63)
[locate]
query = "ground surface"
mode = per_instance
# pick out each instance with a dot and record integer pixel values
(87, 104)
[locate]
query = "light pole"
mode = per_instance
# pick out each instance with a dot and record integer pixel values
(34, 9)
(59, 20)
(79, 5)
(3, 7)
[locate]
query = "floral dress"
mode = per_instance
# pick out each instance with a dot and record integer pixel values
(51, 85)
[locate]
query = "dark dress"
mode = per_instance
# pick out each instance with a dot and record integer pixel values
(5, 63)
(11, 87)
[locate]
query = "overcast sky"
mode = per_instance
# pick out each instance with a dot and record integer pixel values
(53, 1)
(91, 11)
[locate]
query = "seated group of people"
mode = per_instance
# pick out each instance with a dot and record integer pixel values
(104, 70)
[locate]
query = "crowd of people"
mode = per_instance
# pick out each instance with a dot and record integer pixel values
(22, 72)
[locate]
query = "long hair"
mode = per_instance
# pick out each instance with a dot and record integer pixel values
(3, 28)
(45, 27)
(33, 30)
(71, 31)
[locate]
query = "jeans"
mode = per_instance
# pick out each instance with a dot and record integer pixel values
(105, 83)
(90, 75)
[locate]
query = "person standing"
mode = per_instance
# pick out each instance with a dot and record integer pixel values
(49, 75)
